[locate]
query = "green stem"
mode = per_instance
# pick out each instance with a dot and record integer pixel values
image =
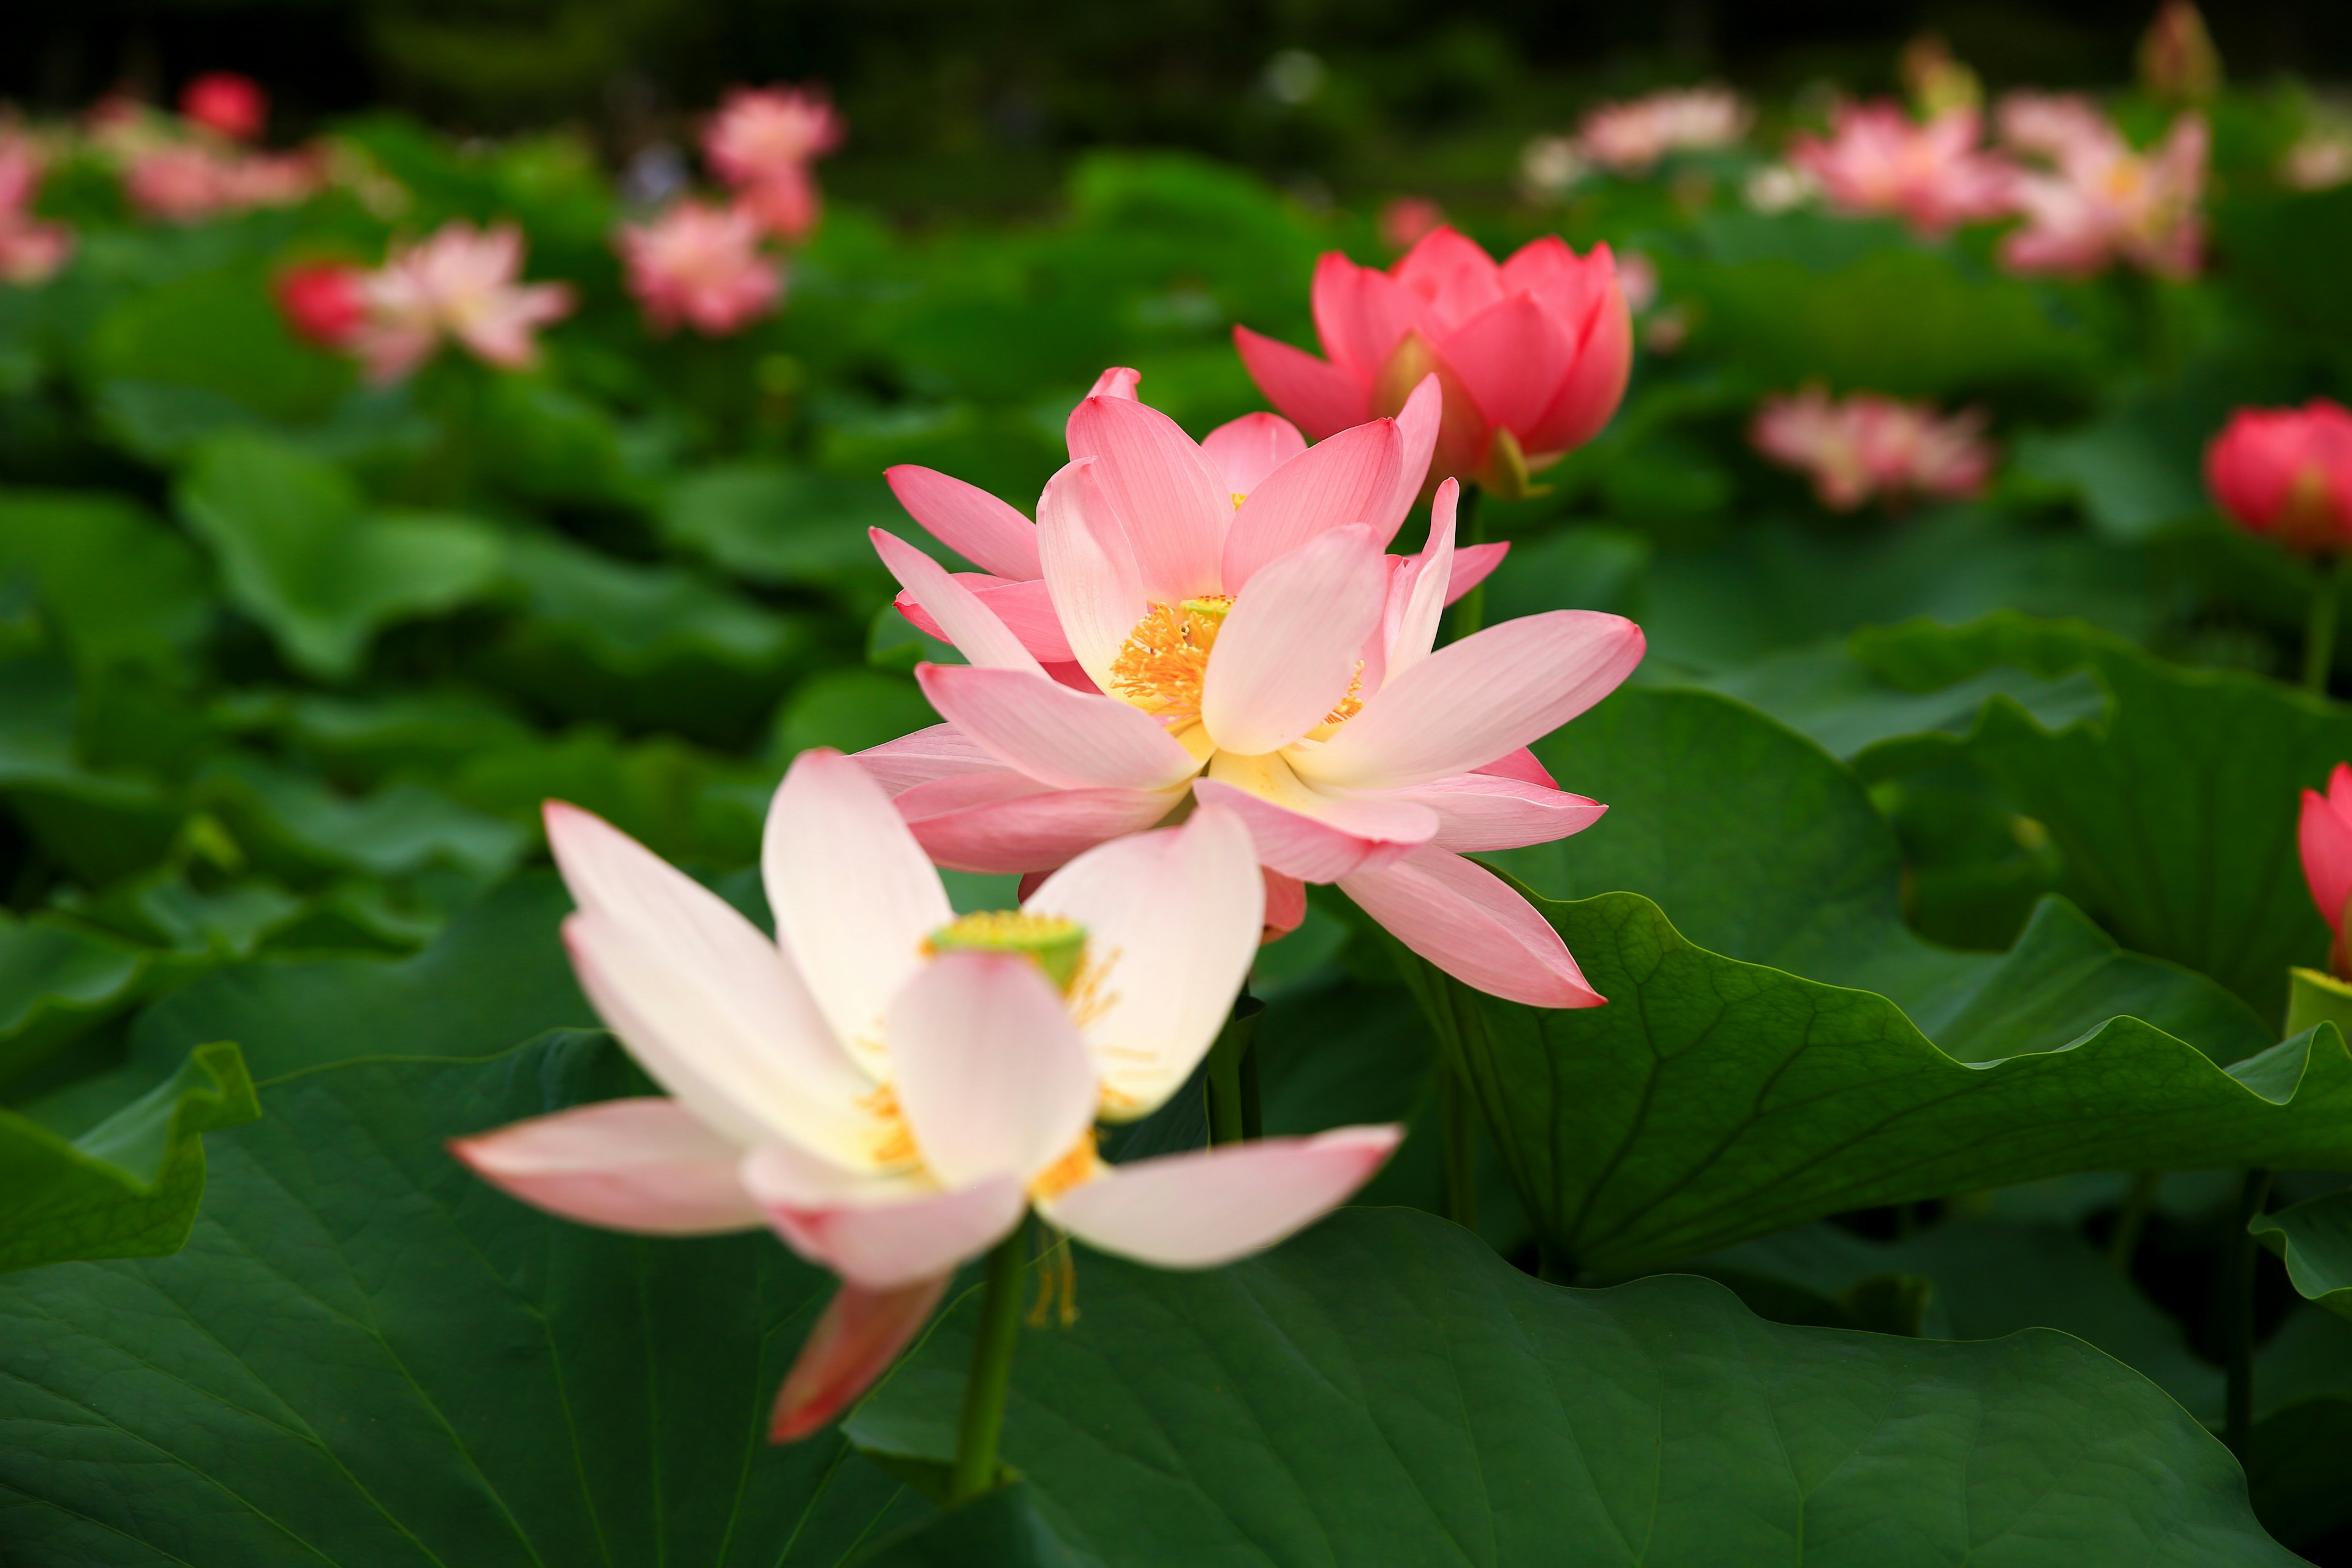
(1234, 1113)
(2238, 1312)
(1460, 1117)
(1469, 528)
(2319, 634)
(998, 1337)
(2131, 1220)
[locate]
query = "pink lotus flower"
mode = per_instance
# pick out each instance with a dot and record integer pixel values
(226, 104)
(1264, 657)
(184, 181)
(891, 1089)
(1631, 136)
(1866, 446)
(31, 250)
(459, 284)
(2287, 472)
(2325, 836)
(1405, 220)
(701, 265)
(1879, 159)
(1533, 353)
(324, 302)
(2102, 202)
(762, 140)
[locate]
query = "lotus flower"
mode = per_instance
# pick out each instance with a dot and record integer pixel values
(458, 284)
(1533, 354)
(762, 142)
(1866, 445)
(701, 265)
(1879, 159)
(2325, 836)
(2287, 472)
(891, 1089)
(1264, 657)
(1405, 220)
(226, 104)
(2101, 202)
(324, 301)
(184, 181)
(1631, 136)
(31, 250)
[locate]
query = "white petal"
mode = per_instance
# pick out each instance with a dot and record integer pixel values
(990, 1072)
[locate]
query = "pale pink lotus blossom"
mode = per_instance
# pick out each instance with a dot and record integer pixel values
(1239, 638)
(1630, 137)
(761, 142)
(31, 250)
(184, 181)
(1878, 159)
(1533, 353)
(891, 1089)
(459, 284)
(2320, 160)
(2049, 124)
(701, 265)
(1866, 446)
(2100, 201)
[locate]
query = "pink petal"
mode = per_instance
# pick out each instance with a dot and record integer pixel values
(1090, 573)
(1117, 381)
(939, 751)
(1006, 821)
(1472, 564)
(2325, 836)
(1162, 492)
(1480, 811)
(1361, 314)
(1323, 398)
(1285, 904)
(1345, 480)
(1418, 423)
(977, 526)
(853, 894)
(1467, 921)
(1245, 450)
(1456, 278)
(1313, 836)
(1211, 1206)
(1520, 764)
(643, 1165)
(855, 1342)
(1588, 396)
(1054, 734)
(1026, 608)
(991, 1072)
(1512, 356)
(1473, 701)
(970, 625)
(1426, 597)
(1288, 646)
(883, 1235)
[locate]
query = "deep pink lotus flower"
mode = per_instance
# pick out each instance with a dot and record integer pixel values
(1878, 159)
(2325, 836)
(763, 141)
(1405, 221)
(2097, 201)
(2287, 473)
(324, 302)
(1867, 446)
(1630, 137)
(891, 1089)
(459, 284)
(701, 265)
(226, 104)
(31, 250)
(1533, 354)
(1265, 657)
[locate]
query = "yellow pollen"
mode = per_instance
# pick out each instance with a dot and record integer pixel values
(1353, 702)
(1160, 666)
(1057, 945)
(1239, 497)
(1078, 1166)
(894, 1139)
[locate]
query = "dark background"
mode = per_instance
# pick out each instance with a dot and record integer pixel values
(958, 104)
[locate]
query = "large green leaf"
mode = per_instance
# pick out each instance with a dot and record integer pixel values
(300, 554)
(2314, 1237)
(122, 587)
(1383, 1390)
(772, 524)
(129, 1187)
(58, 979)
(2178, 815)
(365, 1356)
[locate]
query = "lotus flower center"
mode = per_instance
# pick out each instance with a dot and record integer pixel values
(1160, 666)
(1069, 1171)
(1056, 945)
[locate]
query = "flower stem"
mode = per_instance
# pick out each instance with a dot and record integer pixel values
(1469, 528)
(1234, 1110)
(999, 1335)
(2238, 1312)
(2319, 633)
(2131, 1220)
(1460, 1188)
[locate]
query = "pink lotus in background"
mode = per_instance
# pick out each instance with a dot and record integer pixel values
(226, 104)
(891, 1089)
(763, 141)
(1266, 657)
(2325, 836)
(324, 302)
(701, 265)
(184, 181)
(2287, 473)
(1867, 445)
(1533, 354)
(459, 284)
(1630, 137)
(2101, 202)
(31, 250)
(1878, 159)
(1404, 220)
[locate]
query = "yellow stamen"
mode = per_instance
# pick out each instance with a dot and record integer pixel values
(1076, 1166)
(1160, 666)
(1239, 497)
(1057, 945)
(1055, 1267)
(1353, 702)
(894, 1139)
